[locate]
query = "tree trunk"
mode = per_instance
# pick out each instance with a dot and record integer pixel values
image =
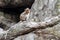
(42, 10)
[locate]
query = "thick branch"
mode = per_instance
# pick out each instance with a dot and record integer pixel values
(27, 27)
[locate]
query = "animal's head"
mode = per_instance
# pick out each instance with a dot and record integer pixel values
(27, 10)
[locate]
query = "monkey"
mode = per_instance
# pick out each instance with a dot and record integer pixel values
(25, 15)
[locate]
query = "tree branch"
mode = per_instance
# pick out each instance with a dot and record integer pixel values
(22, 28)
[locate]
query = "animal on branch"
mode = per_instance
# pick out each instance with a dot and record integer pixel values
(25, 15)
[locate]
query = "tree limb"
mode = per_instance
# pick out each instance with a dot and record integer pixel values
(22, 28)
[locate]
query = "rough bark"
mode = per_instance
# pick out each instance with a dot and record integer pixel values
(27, 27)
(41, 17)
(42, 10)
